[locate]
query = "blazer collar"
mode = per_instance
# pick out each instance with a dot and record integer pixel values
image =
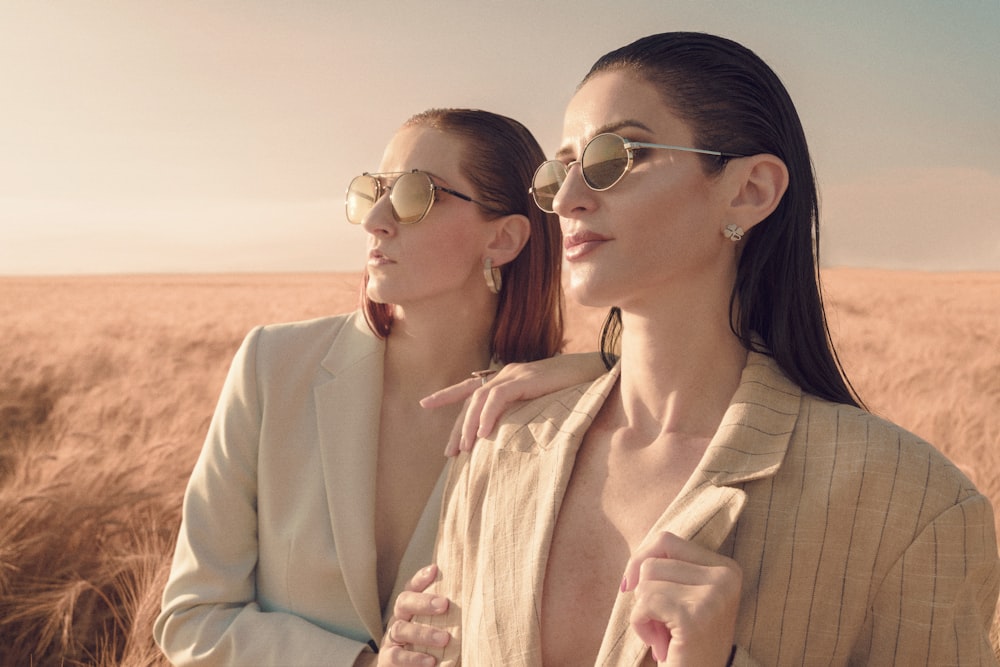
(749, 444)
(348, 397)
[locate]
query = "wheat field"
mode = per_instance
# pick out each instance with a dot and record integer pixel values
(107, 385)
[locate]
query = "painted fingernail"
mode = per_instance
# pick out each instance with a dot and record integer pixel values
(624, 584)
(440, 637)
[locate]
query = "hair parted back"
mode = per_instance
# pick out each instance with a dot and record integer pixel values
(734, 102)
(499, 159)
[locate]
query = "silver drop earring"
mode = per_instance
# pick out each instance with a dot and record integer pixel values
(494, 280)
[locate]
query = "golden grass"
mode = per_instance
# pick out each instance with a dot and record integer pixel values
(107, 385)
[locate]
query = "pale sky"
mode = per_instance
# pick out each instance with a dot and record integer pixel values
(207, 136)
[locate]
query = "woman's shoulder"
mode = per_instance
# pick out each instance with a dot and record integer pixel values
(319, 327)
(307, 343)
(854, 439)
(851, 423)
(316, 333)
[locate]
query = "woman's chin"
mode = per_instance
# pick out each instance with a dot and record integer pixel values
(585, 291)
(376, 292)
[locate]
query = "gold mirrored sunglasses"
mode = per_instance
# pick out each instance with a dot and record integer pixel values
(604, 162)
(411, 195)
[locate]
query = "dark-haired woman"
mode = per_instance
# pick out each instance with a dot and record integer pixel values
(317, 494)
(720, 496)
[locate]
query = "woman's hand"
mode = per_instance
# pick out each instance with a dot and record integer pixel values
(686, 600)
(515, 382)
(402, 634)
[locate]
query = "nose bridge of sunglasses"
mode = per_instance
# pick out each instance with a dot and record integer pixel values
(565, 171)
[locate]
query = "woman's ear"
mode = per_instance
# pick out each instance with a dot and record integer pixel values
(509, 235)
(761, 181)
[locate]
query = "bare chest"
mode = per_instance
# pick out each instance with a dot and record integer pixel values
(612, 501)
(410, 461)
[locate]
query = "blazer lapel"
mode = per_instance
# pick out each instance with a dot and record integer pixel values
(348, 405)
(523, 514)
(750, 444)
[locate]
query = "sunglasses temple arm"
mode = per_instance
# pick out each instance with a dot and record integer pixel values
(454, 192)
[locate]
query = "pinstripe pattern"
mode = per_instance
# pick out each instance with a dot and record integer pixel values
(859, 543)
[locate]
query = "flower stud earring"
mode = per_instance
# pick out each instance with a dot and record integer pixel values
(494, 280)
(733, 232)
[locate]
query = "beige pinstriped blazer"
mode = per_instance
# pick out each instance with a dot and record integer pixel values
(859, 543)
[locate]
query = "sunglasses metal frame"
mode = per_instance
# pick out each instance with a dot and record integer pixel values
(629, 147)
(381, 190)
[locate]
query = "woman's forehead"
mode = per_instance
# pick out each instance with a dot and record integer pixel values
(618, 102)
(424, 148)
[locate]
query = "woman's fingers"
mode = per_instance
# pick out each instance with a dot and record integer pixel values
(423, 578)
(403, 635)
(404, 639)
(686, 600)
(473, 415)
(519, 384)
(413, 601)
(489, 396)
(468, 419)
(452, 448)
(524, 382)
(407, 633)
(456, 393)
(396, 655)
(469, 424)
(668, 545)
(515, 382)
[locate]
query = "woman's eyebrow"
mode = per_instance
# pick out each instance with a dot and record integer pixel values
(621, 125)
(566, 152)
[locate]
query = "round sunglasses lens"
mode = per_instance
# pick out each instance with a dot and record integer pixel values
(605, 161)
(361, 196)
(548, 179)
(411, 196)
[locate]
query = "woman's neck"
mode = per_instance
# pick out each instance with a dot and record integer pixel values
(427, 351)
(679, 373)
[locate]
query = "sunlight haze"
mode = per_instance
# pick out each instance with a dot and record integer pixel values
(220, 136)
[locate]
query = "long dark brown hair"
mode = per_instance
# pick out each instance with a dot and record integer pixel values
(735, 103)
(499, 159)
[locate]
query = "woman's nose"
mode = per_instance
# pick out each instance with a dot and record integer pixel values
(379, 219)
(573, 194)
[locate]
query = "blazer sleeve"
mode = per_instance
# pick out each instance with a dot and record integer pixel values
(936, 603)
(209, 611)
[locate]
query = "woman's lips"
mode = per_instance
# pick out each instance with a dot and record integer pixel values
(377, 258)
(581, 243)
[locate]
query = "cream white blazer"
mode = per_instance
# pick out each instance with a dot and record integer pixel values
(275, 561)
